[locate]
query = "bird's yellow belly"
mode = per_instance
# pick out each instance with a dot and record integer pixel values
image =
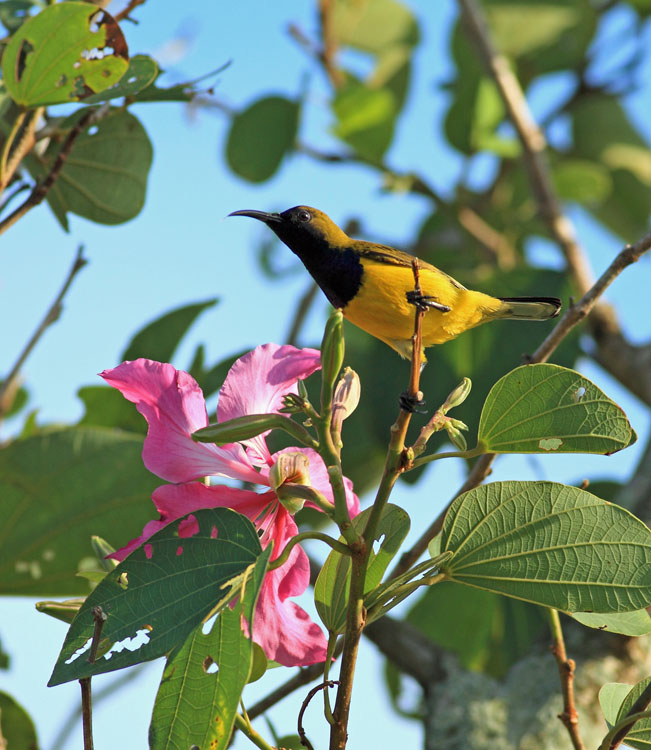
(380, 306)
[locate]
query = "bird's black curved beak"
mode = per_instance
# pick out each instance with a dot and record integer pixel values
(268, 218)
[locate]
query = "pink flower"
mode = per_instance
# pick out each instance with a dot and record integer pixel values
(174, 407)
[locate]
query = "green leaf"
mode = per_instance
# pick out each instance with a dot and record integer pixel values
(164, 589)
(18, 401)
(16, 727)
(65, 611)
(261, 136)
(581, 180)
(333, 583)
(365, 118)
(14, 13)
(487, 632)
(634, 623)
(159, 339)
(58, 488)
(640, 734)
(67, 52)
(549, 544)
(104, 178)
(374, 25)
(549, 409)
(142, 71)
(611, 696)
(107, 407)
(204, 678)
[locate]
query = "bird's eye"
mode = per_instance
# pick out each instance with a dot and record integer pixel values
(304, 215)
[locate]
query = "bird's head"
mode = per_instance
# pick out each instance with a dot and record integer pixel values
(301, 228)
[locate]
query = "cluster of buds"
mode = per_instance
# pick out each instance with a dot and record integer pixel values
(440, 420)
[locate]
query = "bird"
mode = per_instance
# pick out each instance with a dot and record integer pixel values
(373, 285)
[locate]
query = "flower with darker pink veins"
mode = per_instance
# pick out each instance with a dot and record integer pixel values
(173, 405)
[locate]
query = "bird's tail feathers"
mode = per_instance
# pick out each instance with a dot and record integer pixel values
(529, 308)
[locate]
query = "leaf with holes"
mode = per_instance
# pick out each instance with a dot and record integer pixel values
(549, 544)
(550, 409)
(332, 585)
(157, 596)
(104, 178)
(68, 52)
(141, 73)
(59, 488)
(204, 678)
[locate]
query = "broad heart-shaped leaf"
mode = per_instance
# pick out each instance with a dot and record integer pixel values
(159, 339)
(640, 734)
(67, 52)
(104, 179)
(261, 136)
(549, 409)
(374, 25)
(157, 596)
(204, 678)
(549, 544)
(332, 585)
(17, 727)
(634, 623)
(58, 489)
(142, 71)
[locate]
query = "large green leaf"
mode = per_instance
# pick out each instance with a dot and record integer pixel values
(549, 409)
(549, 544)
(611, 696)
(159, 339)
(204, 678)
(57, 490)
(107, 407)
(333, 583)
(67, 52)
(261, 136)
(640, 735)
(16, 727)
(104, 178)
(156, 597)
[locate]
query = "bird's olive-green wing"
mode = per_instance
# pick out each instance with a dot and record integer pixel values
(390, 256)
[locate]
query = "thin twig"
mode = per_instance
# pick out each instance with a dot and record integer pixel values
(100, 617)
(41, 189)
(131, 5)
(301, 731)
(482, 467)
(566, 667)
(50, 317)
(329, 42)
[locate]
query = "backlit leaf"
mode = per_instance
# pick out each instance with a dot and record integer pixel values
(545, 408)
(332, 586)
(640, 734)
(160, 593)
(141, 72)
(634, 623)
(549, 544)
(67, 52)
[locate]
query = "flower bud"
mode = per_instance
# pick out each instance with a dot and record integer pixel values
(293, 403)
(332, 348)
(240, 428)
(456, 437)
(346, 398)
(457, 396)
(287, 475)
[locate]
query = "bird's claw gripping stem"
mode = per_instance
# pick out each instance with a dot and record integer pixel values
(424, 303)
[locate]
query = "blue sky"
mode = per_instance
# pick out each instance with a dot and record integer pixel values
(181, 250)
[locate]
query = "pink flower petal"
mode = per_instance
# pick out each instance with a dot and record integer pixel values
(257, 382)
(173, 405)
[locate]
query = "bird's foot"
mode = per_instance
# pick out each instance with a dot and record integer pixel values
(411, 403)
(425, 303)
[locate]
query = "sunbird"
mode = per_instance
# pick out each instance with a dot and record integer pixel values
(372, 284)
